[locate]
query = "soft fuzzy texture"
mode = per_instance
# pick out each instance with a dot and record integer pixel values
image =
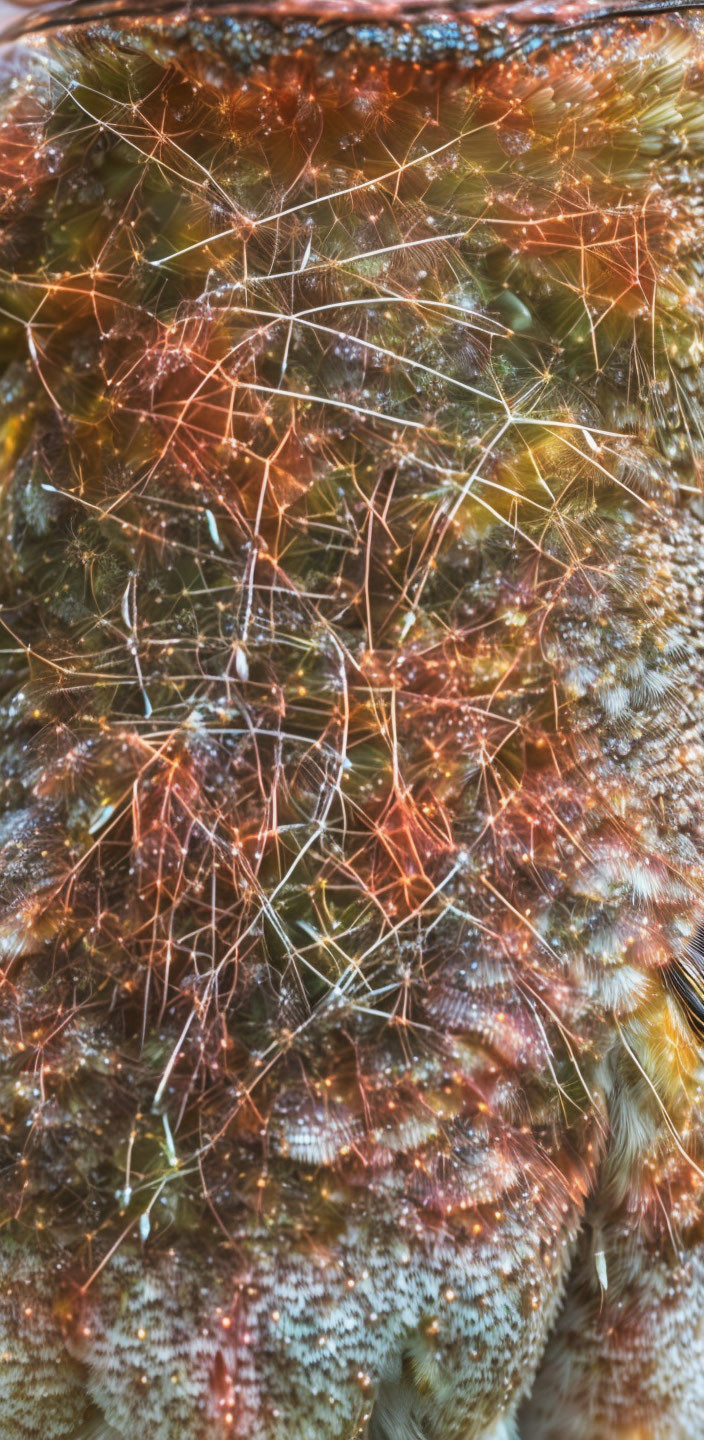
(353, 595)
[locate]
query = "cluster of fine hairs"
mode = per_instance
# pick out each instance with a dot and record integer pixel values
(352, 583)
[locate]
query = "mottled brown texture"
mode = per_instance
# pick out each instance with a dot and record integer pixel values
(351, 431)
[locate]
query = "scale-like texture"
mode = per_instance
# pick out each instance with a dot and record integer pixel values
(353, 599)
